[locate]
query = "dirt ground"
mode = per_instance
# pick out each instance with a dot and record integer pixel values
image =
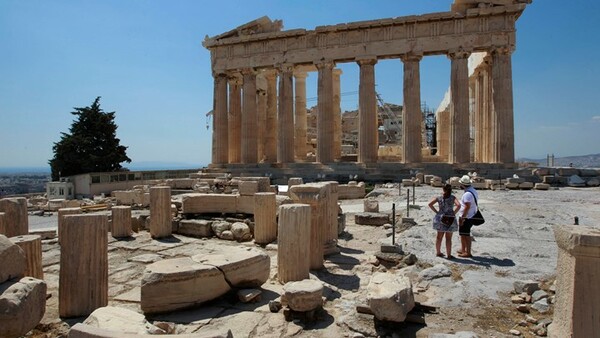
(515, 243)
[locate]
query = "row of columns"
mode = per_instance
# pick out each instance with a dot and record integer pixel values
(253, 124)
(493, 119)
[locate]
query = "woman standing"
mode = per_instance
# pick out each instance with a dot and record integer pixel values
(444, 221)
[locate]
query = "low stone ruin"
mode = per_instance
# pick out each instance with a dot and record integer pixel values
(22, 299)
(302, 226)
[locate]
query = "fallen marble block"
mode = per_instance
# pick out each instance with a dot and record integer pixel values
(12, 260)
(80, 330)
(208, 203)
(371, 218)
(243, 267)
(302, 296)
(121, 320)
(22, 305)
(195, 228)
(390, 297)
(179, 283)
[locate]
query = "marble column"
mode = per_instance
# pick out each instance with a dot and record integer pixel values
(488, 127)
(459, 147)
(478, 116)
(325, 112)
(313, 194)
(32, 247)
(261, 109)
(331, 233)
(16, 221)
(300, 123)
(120, 225)
(83, 278)
(271, 118)
(220, 138)
(294, 242)
(368, 142)
(483, 127)
(504, 142)
(265, 218)
(285, 115)
(160, 212)
(249, 154)
(412, 118)
(577, 275)
(62, 212)
(443, 134)
(235, 117)
(337, 115)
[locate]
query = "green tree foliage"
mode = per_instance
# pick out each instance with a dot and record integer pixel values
(90, 146)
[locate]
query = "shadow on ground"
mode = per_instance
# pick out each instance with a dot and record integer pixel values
(485, 261)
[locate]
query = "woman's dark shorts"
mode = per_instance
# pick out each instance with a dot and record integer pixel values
(465, 228)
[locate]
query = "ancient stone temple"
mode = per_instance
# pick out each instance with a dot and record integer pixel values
(260, 70)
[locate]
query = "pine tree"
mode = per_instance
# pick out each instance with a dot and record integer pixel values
(90, 146)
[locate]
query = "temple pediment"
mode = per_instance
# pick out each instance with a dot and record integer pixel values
(463, 5)
(261, 25)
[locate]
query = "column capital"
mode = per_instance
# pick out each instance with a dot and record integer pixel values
(285, 67)
(502, 50)
(217, 74)
(234, 77)
(270, 73)
(487, 60)
(411, 57)
(337, 71)
(300, 75)
(321, 64)
(370, 60)
(248, 71)
(484, 66)
(459, 54)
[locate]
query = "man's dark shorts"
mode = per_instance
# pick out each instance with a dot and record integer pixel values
(465, 228)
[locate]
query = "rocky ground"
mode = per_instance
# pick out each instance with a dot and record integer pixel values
(516, 243)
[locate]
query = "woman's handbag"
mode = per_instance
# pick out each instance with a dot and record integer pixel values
(447, 220)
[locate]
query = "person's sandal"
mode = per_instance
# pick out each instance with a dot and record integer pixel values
(464, 255)
(451, 257)
(440, 255)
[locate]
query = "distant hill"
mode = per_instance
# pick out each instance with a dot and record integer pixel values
(134, 166)
(583, 161)
(24, 170)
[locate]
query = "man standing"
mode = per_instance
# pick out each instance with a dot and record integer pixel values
(468, 208)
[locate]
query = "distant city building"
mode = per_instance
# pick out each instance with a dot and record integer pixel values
(90, 184)
(60, 190)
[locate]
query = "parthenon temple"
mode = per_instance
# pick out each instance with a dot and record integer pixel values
(260, 70)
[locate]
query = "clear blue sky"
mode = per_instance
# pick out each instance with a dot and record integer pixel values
(146, 60)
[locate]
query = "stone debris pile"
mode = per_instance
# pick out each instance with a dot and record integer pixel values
(534, 302)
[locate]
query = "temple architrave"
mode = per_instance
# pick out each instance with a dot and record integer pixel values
(260, 70)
